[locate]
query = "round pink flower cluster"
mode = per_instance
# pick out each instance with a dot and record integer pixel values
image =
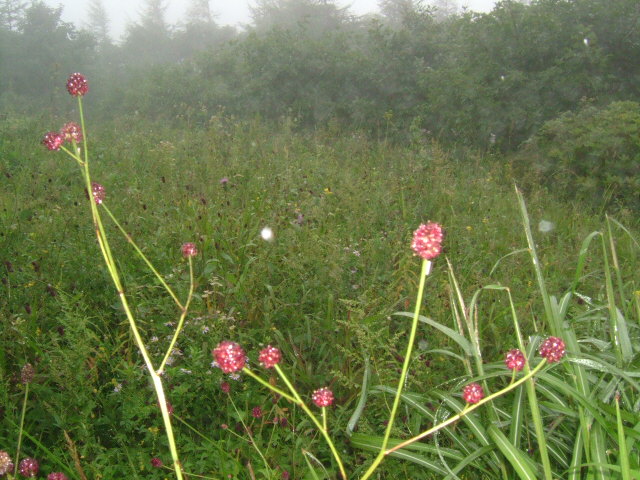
(473, 393)
(98, 193)
(71, 132)
(28, 467)
(269, 357)
(323, 397)
(6, 465)
(53, 140)
(57, 476)
(427, 240)
(77, 85)
(230, 356)
(189, 249)
(552, 349)
(515, 360)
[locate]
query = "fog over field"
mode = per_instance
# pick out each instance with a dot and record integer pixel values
(226, 12)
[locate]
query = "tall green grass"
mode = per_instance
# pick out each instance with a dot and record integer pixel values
(336, 274)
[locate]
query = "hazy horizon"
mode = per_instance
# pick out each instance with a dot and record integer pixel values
(235, 13)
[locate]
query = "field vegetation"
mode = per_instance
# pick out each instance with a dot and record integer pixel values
(298, 156)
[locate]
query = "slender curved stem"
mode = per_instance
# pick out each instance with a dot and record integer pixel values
(144, 257)
(323, 430)
(468, 409)
(22, 415)
(183, 315)
(426, 269)
(113, 271)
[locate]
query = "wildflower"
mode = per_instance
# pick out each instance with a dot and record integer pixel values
(285, 475)
(224, 426)
(27, 373)
(224, 181)
(156, 462)
(323, 397)
(267, 234)
(53, 140)
(98, 193)
(269, 357)
(77, 85)
(473, 393)
(71, 132)
(5, 462)
(552, 349)
(28, 467)
(256, 412)
(189, 249)
(225, 387)
(230, 356)
(515, 360)
(427, 240)
(117, 388)
(57, 476)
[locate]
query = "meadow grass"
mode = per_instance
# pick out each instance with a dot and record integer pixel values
(342, 209)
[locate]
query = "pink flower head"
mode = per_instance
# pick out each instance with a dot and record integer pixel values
(323, 397)
(256, 412)
(225, 387)
(515, 360)
(28, 467)
(156, 462)
(427, 240)
(6, 464)
(473, 393)
(189, 250)
(27, 373)
(270, 357)
(98, 193)
(77, 85)
(552, 349)
(53, 140)
(230, 356)
(57, 476)
(71, 132)
(224, 181)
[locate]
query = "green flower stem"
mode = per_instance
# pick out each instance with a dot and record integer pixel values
(426, 269)
(324, 418)
(144, 257)
(269, 386)
(22, 415)
(71, 154)
(468, 409)
(251, 441)
(533, 399)
(113, 271)
(185, 309)
(298, 400)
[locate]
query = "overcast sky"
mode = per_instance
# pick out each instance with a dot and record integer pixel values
(228, 12)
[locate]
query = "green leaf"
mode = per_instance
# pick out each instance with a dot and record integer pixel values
(362, 401)
(517, 458)
(623, 455)
(455, 336)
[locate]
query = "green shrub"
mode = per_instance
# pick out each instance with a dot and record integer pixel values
(594, 152)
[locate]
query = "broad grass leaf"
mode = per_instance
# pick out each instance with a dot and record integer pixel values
(455, 336)
(519, 460)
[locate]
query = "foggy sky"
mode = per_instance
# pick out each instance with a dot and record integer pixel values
(227, 12)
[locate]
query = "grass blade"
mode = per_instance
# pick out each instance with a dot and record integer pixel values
(517, 458)
(364, 392)
(623, 456)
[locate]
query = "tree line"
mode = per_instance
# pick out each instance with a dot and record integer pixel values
(483, 79)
